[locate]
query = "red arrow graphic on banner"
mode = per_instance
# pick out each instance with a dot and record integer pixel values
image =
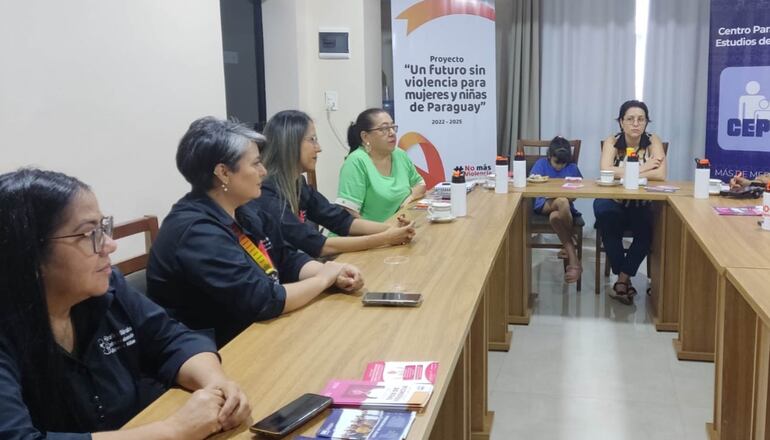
(427, 10)
(435, 173)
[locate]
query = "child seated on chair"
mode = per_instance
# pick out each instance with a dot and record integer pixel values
(561, 210)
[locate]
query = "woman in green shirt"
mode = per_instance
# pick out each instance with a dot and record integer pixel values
(377, 179)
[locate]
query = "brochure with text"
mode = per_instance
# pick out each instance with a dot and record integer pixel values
(366, 424)
(383, 395)
(739, 210)
(419, 372)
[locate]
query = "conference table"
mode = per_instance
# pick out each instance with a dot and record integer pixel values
(461, 270)
(475, 276)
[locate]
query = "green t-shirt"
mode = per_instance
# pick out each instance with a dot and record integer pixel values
(376, 197)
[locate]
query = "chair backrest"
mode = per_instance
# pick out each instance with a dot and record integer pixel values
(147, 225)
(665, 147)
(535, 149)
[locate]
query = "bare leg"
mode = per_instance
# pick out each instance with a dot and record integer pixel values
(561, 220)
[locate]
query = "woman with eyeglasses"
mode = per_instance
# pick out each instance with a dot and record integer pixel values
(292, 148)
(216, 266)
(81, 353)
(614, 217)
(377, 179)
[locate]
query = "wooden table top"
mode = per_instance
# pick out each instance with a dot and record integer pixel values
(592, 190)
(753, 285)
(335, 336)
(728, 241)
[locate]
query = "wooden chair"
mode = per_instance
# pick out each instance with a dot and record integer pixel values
(134, 268)
(600, 245)
(539, 224)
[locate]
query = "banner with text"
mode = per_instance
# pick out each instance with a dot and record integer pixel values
(738, 119)
(444, 85)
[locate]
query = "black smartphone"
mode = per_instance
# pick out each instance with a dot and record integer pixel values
(392, 299)
(291, 416)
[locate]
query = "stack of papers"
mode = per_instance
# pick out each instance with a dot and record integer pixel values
(739, 210)
(378, 395)
(419, 372)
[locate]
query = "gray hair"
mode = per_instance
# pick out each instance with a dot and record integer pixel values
(208, 142)
(285, 132)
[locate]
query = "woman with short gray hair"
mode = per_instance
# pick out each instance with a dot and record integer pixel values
(292, 148)
(217, 267)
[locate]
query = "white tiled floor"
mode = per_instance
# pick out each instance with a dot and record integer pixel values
(588, 367)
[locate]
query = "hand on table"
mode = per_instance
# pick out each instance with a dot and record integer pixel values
(235, 409)
(402, 234)
(349, 278)
(198, 418)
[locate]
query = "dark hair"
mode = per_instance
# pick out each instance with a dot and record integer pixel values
(208, 142)
(33, 204)
(364, 122)
(631, 104)
(560, 150)
(285, 132)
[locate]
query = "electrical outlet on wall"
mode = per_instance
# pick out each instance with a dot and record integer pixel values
(331, 100)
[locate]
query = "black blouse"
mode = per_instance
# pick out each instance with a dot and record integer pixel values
(300, 231)
(129, 351)
(200, 273)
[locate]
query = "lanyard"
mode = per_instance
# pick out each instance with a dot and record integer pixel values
(257, 253)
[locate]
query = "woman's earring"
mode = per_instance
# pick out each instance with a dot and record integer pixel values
(224, 187)
(368, 148)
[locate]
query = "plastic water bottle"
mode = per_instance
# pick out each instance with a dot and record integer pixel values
(519, 170)
(631, 178)
(501, 175)
(459, 193)
(702, 176)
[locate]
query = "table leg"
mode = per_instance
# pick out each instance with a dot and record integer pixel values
(498, 286)
(521, 268)
(739, 330)
(665, 255)
(452, 420)
(697, 306)
(480, 416)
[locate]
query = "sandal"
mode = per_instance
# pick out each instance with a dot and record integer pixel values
(624, 296)
(573, 273)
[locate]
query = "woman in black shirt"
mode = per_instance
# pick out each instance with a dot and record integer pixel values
(80, 352)
(217, 266)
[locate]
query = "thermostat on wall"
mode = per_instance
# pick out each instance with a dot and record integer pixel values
(333, 43)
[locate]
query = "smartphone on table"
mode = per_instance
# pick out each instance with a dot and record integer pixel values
(291, 416)
(392, 299)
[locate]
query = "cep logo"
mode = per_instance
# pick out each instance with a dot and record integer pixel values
(744, 109)
(753, 113)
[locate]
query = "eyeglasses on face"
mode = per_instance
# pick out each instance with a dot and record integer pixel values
(630, 120)
(97, 235)
(312, 139)
(385, 129)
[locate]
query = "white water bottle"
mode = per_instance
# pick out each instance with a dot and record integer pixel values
(459, 193)
(519, 171)
(631, 178)
(702, 176)
(766, 209)
(501, 175)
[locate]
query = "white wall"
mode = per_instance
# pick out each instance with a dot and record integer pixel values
(296, 78)
(104, 89)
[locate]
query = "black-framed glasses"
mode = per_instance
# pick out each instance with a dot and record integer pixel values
(386, 129)
(97, 235)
